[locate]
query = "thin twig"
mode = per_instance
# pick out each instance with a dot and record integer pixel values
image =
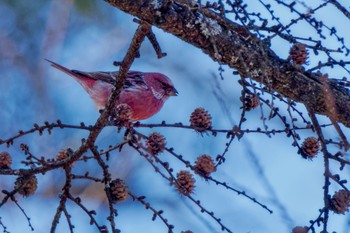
(156, 213)
(63, 199)
(341, 134)
(327, 172)
(107, 180)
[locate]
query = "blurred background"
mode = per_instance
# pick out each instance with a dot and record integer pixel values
(89, 35)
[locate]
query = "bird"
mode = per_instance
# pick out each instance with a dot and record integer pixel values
(144, 92)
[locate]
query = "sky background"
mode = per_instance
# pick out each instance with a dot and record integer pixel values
(89, 35)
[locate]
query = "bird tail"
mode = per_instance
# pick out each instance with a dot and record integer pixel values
(61, 68)
(82, 77)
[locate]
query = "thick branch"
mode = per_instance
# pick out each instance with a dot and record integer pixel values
(229, 43)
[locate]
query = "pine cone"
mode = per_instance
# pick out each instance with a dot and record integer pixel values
(310, 147)
(63, 154)
(251, 101)
(300, 229)
(119, 190)
(200, 120)
(204, 166)
(340, 202)
(185, 182)
(5, 160)
(298, 54)
(26, 185)
(155, 143)
(123, 113)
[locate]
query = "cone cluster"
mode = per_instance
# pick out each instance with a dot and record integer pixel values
(299, 229)
(123, 113)
(298, 54)
(119, 190)
(310, 147)
(5, 160)
(185, 182)
(155, 143)
(340, 201)
(63, 154)
(26, 185)
(251, 101)
(200, 120)
(204, 165)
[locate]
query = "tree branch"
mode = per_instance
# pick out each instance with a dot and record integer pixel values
(232, 44)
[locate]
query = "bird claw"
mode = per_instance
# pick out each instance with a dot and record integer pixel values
(129, 136)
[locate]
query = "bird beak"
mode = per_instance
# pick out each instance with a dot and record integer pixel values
(172, 92)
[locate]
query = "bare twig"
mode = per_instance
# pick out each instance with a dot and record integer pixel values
(63, 199)
(327, 172)
(156, 213)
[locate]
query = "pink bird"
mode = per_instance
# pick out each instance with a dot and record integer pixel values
(145, 93)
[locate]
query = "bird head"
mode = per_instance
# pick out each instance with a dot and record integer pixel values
(160, 85)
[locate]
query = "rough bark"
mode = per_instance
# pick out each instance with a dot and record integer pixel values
(229, 43)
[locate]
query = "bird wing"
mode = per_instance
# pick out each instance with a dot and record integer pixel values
(134, 80)
(108, 77)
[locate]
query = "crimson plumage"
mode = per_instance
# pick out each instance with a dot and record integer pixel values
(144, 92)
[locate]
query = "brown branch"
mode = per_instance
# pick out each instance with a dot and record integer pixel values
(63, 200)
(156, 213)
(327, 172)
(230, 43)
(340, 8)
(41, 129)
(341, 134)
(173, 180)
(3, 227)
(23, 212)
(90, 213)
(188, 164)
(107, 180)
